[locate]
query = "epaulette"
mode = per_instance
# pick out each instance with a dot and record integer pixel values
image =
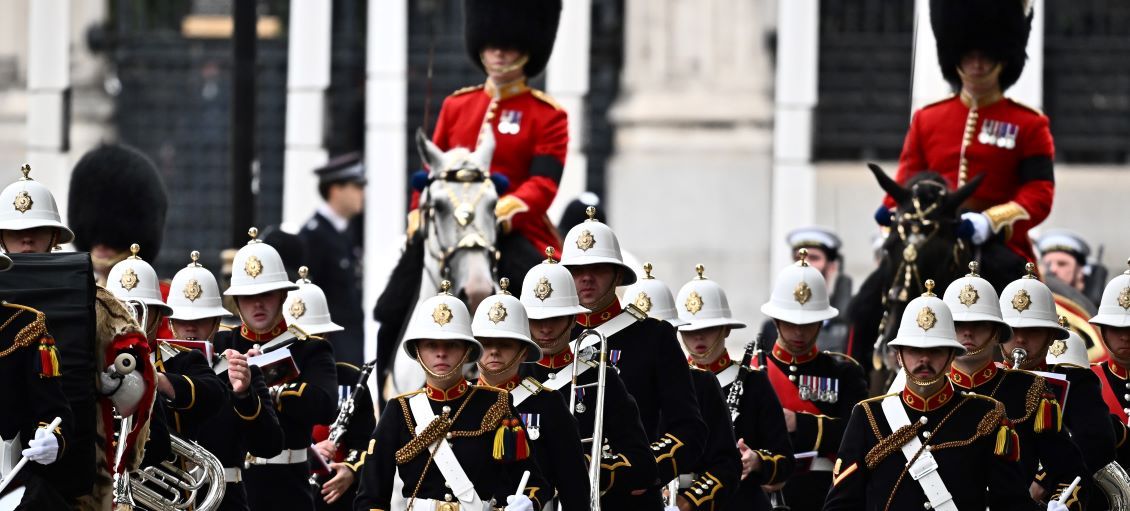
(879, 398)
(1029, 108)
(465, 90)
(993, 401)
(347, 364)
(545, 98)
(176, 347)
(937, 102)
(697, 368)
(537, 384)
(842, 356)
(490, 388)
(409, 394)
(225, 328)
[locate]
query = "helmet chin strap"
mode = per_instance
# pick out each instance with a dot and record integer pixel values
(606, 299)
(712, 353)
(509, 365)
(921, 383)
(561, 340)
(455, 373)
(516, 65)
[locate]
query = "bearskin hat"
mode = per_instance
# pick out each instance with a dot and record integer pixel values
(526, 25)
(117, 198)
(998, 28)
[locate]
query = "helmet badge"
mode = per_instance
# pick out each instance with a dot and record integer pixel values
(1058, 347)
(297, 308)
(442, 314)
(926, 319)
(543, 289)
(497, 313)
(1021, 301)
(1124, 298)
(694, 302)
(802, 293)
(585, 241)
(968, 295)
(192, 290)
(253, 267)
(129, 279)
(23, 202)
(643, 302)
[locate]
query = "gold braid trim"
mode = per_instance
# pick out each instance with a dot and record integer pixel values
(988, 425)
(1031, 400)
(890, 444)
(431, 433)
(442, 424)
(29, 334)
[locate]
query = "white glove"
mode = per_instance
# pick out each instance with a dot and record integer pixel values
(671, 508)
(519, 503)
(44, 448)
(1056, 506)
(981, 228)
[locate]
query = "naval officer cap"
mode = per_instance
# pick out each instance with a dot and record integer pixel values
(347, 168)
(1062, 240)
(815, 237)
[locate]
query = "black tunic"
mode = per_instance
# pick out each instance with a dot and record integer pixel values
(475, 413)
(1087, 417)
(719, 470)
(334, 259)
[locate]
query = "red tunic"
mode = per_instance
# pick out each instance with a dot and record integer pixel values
(529, 150)
(1007, 142)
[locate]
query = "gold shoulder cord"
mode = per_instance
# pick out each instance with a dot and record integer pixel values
(28, 334)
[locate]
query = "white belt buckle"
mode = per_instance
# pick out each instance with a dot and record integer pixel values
(924, 466)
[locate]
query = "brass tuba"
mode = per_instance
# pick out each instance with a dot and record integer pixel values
(1115, 483)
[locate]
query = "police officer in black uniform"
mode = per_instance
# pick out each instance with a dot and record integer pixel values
(646, 351)
(454, 445)
(502, 327)
(1030, 405)
(32, 399)
(248, 423)
(259, 285)
(334, 251)
(627, 463)
(765, 456)
(816, 388)
(951, 437)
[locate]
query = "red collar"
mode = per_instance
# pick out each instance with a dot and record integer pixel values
(783, 355)
(1117, 370)
(506, 91)
(506, 385)
(597, 318)
(976, 379)
(263, 337)
(455, 392)
(557, 361)
(925, 404)
(722, 363)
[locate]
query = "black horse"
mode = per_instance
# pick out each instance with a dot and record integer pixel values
(923, 244)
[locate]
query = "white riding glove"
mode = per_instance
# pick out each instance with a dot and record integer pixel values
(1056, 506)
(519, 503)
(981, 227)
(44, 448)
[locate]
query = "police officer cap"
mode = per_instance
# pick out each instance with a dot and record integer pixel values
(347, 168)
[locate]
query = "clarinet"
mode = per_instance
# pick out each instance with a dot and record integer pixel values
(734, 398)
(345, 414)
(777, 497)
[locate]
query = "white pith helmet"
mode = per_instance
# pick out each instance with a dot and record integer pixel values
(654, 298)
(927, 323)
(32, 205)
(194, 293)
(593, 242)
(1114, 308)
(441, 317)
(306, 307)
(548, 291)
(134, 279)
(800, 295)
(257, 269)
(703, 304)
(972, 298)
(502, 315)
(1072, 350)
(1028, 303)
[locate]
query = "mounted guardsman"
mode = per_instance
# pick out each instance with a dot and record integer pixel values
(646, 350)
(627, 465)
(1114, 321)
(1028, 307)
(454, 445)
(981, 52)
(747, 401)
(502, 327)
(1048, 458)
(248, 424)
(301, 398)
(817, 389)
(929, 446)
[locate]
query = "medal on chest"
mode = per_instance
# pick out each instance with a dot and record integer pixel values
(818, 388)
(998, 133)
(533, 424)
(509, 123)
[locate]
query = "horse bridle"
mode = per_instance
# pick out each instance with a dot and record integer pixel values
(919, 221)
(463, 211)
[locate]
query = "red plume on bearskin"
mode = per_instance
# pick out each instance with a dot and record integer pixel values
(117, 198)
(997, 27)
(526, 25)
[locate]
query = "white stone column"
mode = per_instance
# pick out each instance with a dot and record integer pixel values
(794, 178)
(307, 78)
(48, 84)
(689, 181)
(386, 103)
(567, 80)
(928, 84)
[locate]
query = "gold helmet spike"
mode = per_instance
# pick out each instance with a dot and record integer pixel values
(700, 269)
(504, 286)
(1030, 268)
(133, 250)
(25, 169)
(195, 256)
(254, 234)
(929, 288)
(974, 269)
(445, 287)
(591, 212)
(549, 252)
(304, 274)
(647, 271)
(802, 257)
